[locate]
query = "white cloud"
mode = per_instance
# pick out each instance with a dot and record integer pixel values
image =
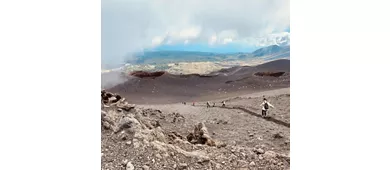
(190, 33)
(179, 36)
(130, 25)
(227, 40)
(213, 40)
(282, 38)
(228, 33)
(157, 40)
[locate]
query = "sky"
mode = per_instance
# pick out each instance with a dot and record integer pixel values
(132, 26)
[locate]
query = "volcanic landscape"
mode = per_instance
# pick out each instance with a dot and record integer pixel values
(162, 87)
(160, 121)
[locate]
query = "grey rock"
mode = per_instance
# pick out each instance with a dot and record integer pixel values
(261, 157)
(270, 154)
(259, 151)
(183, 166)
(129, 166)
(145, 167)
(242, 163)
(158, 156)
(128, 122)
(124, 162)
(136, 143)
(112, 99)
(252, 156)
(123, 136)
(286, 142)
(106, 125)
(277, 136)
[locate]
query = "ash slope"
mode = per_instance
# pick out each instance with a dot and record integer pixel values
(157, 136)
(169, 88)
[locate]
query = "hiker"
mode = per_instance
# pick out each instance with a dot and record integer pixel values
(208, 104)
(265, 106)
(223, 103)
(193, 103)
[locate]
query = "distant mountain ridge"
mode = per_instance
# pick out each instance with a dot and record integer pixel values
(159, 57)
(273, 49)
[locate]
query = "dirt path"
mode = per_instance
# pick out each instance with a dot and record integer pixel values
(254, 113)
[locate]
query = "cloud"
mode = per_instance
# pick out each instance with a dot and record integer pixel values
(227, 40)
(212, 40)
(282, 38)
(189, 33)
(157, 40)
(129, 26)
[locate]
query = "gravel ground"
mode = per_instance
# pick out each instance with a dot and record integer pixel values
(249, 141)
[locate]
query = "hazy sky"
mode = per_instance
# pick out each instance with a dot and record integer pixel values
(130, 26)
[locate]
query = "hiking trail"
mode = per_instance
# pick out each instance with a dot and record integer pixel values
(254, 113)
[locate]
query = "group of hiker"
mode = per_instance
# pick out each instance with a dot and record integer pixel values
(209, 105)
(265, 106)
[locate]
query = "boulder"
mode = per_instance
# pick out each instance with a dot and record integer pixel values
(277, 136)
(270, 154)
(129, 166)
(183, 166)
(112, 99)
(127, 122)
(252, 164)
(259, 151)
(126, 107)
(145, 167)
(201, 136)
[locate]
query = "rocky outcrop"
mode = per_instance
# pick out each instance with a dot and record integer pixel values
(201, 136)
(115, 100)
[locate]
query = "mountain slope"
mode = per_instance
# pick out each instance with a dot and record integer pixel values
(271, 50)
(170, 88)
